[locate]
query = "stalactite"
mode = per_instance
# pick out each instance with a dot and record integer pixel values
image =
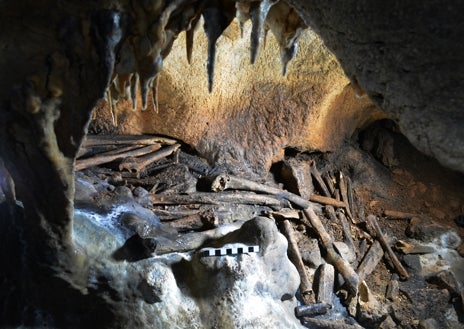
(157, 25)
(258, 14)
(217, 19)
(287, 26)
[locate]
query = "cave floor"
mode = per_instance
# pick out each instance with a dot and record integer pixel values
(418, 204)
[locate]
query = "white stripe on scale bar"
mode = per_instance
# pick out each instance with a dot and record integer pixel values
(229, 249)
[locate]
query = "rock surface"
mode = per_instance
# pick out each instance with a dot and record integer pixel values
(185, 290)
(253, 112)
(405, 56)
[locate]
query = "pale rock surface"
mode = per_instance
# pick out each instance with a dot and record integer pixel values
(184, 290)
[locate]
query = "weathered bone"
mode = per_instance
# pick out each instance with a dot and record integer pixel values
(325, 279)
(222, 182)
(295, 257)
(317, 176)
(104, 158)
(347, 232)
(377, 232)
(225, 182)
(312, 310)
(344, 195)
(327, 201)
(328, 324)
(332, 257)
(201, 220)
(370, 260)
(136, 165)
(97, 140)
(217, 198)
(398, 214)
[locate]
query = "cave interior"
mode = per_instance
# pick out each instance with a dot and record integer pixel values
(231, 164)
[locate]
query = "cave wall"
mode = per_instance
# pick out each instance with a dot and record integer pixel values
(253, 112)
(407, 56)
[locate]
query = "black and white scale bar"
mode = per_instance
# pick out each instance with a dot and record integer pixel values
(228, 250)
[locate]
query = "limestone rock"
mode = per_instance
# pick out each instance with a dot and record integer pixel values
(186, 290)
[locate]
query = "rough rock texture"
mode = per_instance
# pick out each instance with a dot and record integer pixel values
(184, 290)
(57, 58)
(407, 58)
(53, 71)
(253, 111)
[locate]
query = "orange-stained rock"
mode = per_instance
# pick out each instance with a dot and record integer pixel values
(253, 112)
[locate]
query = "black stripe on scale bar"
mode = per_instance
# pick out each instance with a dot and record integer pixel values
(229, 250)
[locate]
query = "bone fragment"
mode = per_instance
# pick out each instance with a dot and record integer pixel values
(328, 324)
(377, 232)
(344, 195)
(222, 182)
(325, 280)
(295, 256)
(331, 213)
(136, 165)
(285, 213)
(370, 261)
(350, 196)
(97, 140)
(317, 176)
(312, 310)
(347, 232)
(120, 150)
(202, 220)
(398, 214)
(225, 182)
(329, 181)
(327, 201)
(332, 257)
(104, 158)
(217, 198)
